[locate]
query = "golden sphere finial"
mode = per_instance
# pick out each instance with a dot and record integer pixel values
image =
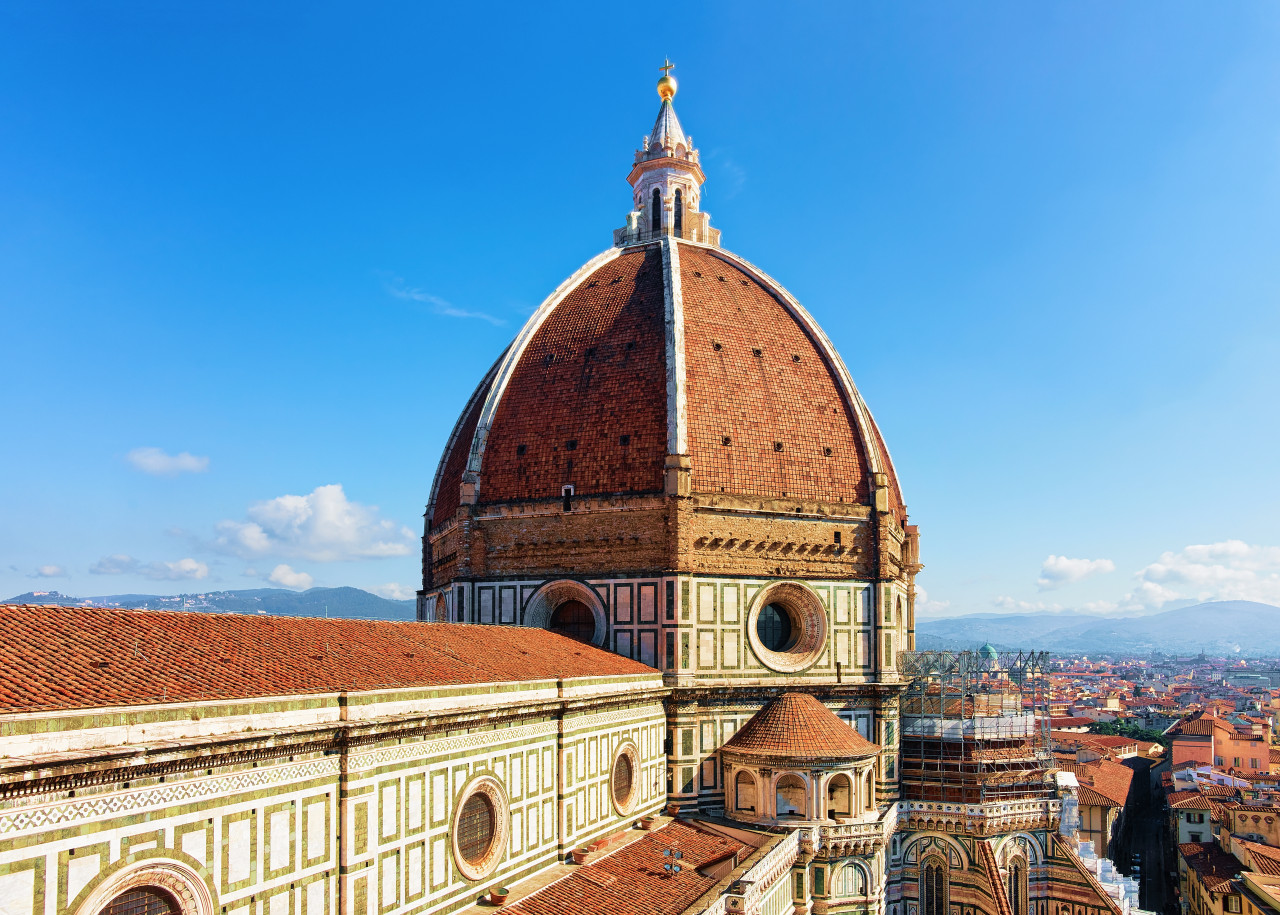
(667, 85)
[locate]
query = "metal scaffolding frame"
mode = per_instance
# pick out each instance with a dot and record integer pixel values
(975, 725)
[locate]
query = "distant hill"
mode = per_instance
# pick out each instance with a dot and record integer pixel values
(343, 603)
(1217, 628)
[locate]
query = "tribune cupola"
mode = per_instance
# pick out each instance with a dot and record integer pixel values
(666, 180)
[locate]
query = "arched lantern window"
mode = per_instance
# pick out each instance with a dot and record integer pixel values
(655, 212)
(934, 879)
(679, 218)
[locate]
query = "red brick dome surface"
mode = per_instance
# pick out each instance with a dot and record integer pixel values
(798, 726)
(585, 398)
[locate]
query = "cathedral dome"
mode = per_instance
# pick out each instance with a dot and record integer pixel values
(667, 368)
(599, 388)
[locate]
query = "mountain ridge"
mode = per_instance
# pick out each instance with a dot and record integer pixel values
(339, 603)
(1224, 628)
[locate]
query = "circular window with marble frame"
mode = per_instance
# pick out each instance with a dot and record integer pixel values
(629, 754)
(488, 791)
(806, 618)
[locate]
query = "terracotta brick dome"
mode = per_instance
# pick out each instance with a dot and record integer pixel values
(798, 726)
(661, 350)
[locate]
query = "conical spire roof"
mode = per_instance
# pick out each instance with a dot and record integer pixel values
(667, 128)
(798, 726)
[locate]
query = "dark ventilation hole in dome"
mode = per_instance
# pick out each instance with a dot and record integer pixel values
(631, 344)
(721, 279)
(622, 781)
(777, 446)
(624, 440)
(521, 449)
(549, 358)
(795, 357)
(571, 444)
(745, 283)
(574, 619)
(776, 631)
(615, 281)
(725, 440)
(717, 346)
(826, 452)
(697, 273)
(757, 351)
(475, 828)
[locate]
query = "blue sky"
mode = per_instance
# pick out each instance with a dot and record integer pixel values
(285, 241)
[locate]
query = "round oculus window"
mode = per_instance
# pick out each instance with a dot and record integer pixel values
(574, 619)
(481, 822)
(475, 829)
(787, 627)
(775, 629)
(624, 778)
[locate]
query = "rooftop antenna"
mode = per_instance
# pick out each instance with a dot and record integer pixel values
(672, 864)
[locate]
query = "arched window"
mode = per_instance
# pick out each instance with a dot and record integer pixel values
(839, 797)
(744, 787)
(141, 901)
(679, 217)
(933, 885)
(869, 791)
(574, 619)
(849, 881)
(655, 212)
(792, 798)
(1017, 886)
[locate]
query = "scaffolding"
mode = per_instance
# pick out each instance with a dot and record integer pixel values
(975, 726)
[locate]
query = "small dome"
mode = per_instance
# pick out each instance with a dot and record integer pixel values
(798, 726)
(988, 653)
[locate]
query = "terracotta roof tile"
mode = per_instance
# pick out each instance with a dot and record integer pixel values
(631, 881)
(593, 372)
(798, 726)
(755, 377)
(91, 657)
(1214, 867)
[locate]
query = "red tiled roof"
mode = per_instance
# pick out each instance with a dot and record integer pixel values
(1091, 798)
(1262, 858)
(1215, 867)
(89, 657)
(631, 881)
(1070, 722)
(593, 372)
(1109, 779)
(787, 395)
(798, 726)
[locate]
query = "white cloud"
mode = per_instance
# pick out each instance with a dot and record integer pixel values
(396, 286)
(927, 607)
(49, 571)
(393, 591)
(178, 570)
(1014, 605)
(1057, 571)
(323, 526)
(157, 463)
(286, 576)
(117, 564)
(1230, 570)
